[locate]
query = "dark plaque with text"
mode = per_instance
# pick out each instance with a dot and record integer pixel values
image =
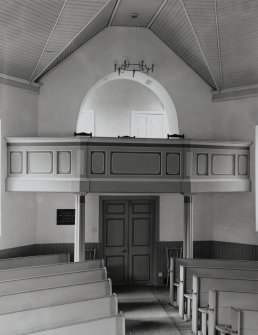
(65, 217)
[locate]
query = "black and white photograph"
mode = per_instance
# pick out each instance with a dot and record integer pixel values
(129, 160)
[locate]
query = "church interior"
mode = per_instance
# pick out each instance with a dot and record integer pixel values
(128, 164)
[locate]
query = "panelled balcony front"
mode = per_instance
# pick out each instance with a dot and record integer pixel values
(125, 165)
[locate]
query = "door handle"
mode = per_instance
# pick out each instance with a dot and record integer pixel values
(124, 251)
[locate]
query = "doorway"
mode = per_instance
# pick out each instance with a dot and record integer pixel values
(129, 228)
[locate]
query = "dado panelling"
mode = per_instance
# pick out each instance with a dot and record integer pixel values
(126, 165)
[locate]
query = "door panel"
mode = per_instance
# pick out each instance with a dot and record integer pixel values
(141, 235)
(128, 235)
(115, 240)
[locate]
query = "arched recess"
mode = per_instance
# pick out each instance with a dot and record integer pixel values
(149, 82)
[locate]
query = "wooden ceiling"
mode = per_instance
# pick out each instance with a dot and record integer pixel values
(218, 39)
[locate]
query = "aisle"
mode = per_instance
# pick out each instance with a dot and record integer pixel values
(145, 312)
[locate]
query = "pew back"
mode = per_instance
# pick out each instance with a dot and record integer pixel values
(51, 269)
(175, 264)
(44, 282)
(203, 262)
(220, 303)
(202, 285)
(54, 296)
(109, 326)
(18, 262)
(244, 321)
(187, 273)
(35, 320)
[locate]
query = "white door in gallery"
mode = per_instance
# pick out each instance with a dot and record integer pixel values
(148, 124)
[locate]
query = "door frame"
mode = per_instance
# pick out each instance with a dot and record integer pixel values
(156, 201)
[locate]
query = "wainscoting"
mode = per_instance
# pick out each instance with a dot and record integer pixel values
(202, 249)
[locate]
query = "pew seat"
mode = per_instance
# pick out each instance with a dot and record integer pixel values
(41, 319)
(54, 296)
(175, 264)
(244, 321)
(187, 273)
(220, 303)
(201, 287)
(114, 325)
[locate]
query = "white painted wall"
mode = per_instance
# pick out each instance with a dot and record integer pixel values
(18, 114)
(234, 214)
(224, 217)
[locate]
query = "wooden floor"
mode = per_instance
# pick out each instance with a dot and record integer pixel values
(147, 311)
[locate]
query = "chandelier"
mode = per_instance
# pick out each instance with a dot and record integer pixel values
(140, 66)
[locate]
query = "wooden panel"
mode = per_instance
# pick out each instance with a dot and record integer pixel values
(114, 208)
(141, 268)
(141, 208)
(48, 317)
(98, 162)
(202, 164)
(109, 326)
(248, 322)
(235, 319)
(64, 162)
(56, 280)
(51, 269)
(53, 296)
(131, 165)
(16, 162)
(243, 165)
(223, 164)
(115, 233)
(40, 162)
(9, 263)
(141, 232)
(135, 163)
(173, 164)
(224, 301)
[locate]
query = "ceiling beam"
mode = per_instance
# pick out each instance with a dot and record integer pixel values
(156, 14)
(199, 44)
(218, 44)
(45, 70)
(114, 13)
(20, 83)
(49, 37)
(235, 93)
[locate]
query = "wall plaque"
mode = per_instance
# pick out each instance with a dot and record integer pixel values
(65, 217)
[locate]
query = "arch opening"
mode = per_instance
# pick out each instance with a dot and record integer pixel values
(161, 102)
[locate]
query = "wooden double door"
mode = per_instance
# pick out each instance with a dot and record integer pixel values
(128, 240)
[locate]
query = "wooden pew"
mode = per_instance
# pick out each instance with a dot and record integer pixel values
(44, 270)
(39, 319)
(244, 321)
(201, 262)
(54, 296)
(220, 303)
(201, 287)
(44, 282)
(114, 325)
(18, 262)
(187, 273)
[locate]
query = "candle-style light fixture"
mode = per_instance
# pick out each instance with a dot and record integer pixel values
(140, 66)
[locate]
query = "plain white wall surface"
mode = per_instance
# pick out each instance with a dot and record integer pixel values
(18, 114)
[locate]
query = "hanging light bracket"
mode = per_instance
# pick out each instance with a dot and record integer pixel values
(140, 66)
